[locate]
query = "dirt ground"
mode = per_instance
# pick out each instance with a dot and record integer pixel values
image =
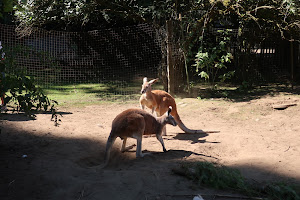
(41, 161)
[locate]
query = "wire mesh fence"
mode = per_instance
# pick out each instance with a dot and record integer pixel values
(116, 56)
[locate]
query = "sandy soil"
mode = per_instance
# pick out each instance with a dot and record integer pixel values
(41, 161)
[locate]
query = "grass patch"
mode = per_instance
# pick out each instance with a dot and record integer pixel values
(85, 94)
(225, 178)
(94, 93)
(98, 93)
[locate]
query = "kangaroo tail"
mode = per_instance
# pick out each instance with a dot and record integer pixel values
(109, 143)
(184, 128)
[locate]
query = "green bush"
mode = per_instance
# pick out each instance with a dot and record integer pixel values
(212, 58)
(19, 89)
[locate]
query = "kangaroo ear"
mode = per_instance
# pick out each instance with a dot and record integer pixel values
(153, 81)
(170, 110)
(145, 79)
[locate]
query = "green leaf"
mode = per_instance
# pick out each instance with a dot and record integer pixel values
(204, 75)
(7, 5)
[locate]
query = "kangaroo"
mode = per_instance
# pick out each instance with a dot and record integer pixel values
(135, 123)
(159, 101)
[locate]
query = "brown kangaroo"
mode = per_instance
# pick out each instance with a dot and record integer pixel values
(135, 123)
(159, 101)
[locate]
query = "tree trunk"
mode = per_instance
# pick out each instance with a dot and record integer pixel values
(170, 61)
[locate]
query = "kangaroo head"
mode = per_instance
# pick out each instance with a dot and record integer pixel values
(147, 85)
(169, 118)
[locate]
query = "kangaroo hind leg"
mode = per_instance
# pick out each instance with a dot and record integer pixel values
(124, 148)
(139, 147)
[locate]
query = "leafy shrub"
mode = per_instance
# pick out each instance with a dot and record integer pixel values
(19, 89)
(212, 58)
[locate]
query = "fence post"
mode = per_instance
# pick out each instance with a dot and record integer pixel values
(170, 64)
(292, 61)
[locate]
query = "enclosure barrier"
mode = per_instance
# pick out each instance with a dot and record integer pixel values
(116, 57)
(120, 57)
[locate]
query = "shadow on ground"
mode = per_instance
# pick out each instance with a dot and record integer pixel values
(239, 94)
(22, 117)
(194, 138)
(43, 166)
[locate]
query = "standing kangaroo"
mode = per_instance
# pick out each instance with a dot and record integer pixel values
(135, 123)
(159, 101)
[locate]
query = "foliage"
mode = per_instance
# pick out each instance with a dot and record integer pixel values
(221, 177)
(192, 19)
(75, 15)
(213, 56)
(6, 11)
(19, 88)
(254, 20)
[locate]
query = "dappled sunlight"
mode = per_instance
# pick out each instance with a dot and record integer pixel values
(93, 93)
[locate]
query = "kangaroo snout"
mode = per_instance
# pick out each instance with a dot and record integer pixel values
(174, 123)
(172, 120)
